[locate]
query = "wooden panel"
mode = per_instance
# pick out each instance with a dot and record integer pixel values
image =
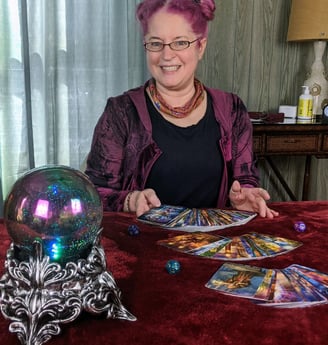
(325, 143)
(257, 143)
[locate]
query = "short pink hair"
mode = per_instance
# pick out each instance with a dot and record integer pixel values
(197, 12)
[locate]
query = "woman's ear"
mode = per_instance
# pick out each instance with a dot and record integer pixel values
(202, 47)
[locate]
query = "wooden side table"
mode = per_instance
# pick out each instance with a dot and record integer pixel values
(291, 138)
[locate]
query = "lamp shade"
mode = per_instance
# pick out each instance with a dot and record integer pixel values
(308, 20)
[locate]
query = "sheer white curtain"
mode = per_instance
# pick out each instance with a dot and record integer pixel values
(59, 62)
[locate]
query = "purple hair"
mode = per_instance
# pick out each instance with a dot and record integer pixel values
(197, 12)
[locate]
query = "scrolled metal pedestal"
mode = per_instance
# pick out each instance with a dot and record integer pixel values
(38, 295)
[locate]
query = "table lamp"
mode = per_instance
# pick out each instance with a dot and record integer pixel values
(308, 21)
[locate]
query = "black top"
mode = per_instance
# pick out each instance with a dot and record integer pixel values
(189, 171)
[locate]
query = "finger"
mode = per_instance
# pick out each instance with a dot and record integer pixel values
(269, 213)
(146, 200)
(273, 213)
(152, 198)
(235, 187)
(262, 208)
(264, 194)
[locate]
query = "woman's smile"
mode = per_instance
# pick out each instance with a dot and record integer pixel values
(172, 68)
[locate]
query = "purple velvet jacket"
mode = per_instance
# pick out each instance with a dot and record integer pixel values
(123, 150)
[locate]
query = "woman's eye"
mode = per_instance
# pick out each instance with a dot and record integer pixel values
(180, 44)
(156, 44)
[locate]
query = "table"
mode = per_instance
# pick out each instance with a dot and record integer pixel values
(290, 138)
(179, 309)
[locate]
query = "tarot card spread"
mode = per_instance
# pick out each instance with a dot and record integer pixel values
(192, 219)
(294, 286)
(252, 246)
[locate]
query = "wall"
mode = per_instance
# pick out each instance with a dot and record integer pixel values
(248, 54)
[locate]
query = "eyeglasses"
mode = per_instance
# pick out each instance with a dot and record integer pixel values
(158, 46)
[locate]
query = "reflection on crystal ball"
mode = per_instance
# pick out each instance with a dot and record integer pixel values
(58, 205)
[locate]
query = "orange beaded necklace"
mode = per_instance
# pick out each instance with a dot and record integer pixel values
(178, 112)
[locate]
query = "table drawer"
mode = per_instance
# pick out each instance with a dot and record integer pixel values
(325, 143)
(292, 143)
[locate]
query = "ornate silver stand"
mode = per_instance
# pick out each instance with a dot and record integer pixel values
(37, 295)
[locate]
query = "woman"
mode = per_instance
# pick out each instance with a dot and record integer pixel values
(173, 140)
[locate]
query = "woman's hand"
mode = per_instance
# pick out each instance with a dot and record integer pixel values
(141, 201)
(251, 199)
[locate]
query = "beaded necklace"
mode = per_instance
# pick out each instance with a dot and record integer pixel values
(178, 112)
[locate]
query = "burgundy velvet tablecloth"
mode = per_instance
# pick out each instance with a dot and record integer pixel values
(179, 309)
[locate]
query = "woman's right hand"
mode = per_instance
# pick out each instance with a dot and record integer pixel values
(141, 201)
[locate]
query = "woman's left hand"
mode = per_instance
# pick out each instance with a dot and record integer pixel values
(251, 199)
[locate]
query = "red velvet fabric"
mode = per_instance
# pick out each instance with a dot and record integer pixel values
(179, 309)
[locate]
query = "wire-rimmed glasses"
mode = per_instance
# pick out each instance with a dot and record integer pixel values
(157, 46)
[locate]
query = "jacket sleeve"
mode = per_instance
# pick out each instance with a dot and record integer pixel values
(243, 161)
(105, 163)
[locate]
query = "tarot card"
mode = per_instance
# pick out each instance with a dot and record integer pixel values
(238, 248)
(227, 217)
(276, 242)
(204, 218)
(243, 248)
(239, 216)
(234, 250)
(237, 280)
(228, 252)
(191, 220)
(251, 247)
(266, 289)
(190, 242)
(285, 294)
(162, 215)
(267, 246)
(303, 287)
(220, 217)
(185, 218)
(211, 249)
(286, 288)
(318, 279)
(283, 290)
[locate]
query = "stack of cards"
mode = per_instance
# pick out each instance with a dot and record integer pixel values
(294, 286)
(252, 246)
(192, 219)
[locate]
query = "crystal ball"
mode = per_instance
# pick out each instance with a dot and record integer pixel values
(58, 206)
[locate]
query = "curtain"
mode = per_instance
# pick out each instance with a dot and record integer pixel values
(59, 62)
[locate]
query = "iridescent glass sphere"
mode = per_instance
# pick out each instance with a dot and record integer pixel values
(57, 205)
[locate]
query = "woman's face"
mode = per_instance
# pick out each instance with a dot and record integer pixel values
(173, 70)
